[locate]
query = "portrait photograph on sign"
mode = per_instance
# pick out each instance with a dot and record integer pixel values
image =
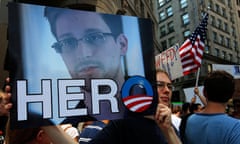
(68, 66)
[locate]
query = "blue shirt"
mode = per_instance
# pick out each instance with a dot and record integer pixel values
(212, 129)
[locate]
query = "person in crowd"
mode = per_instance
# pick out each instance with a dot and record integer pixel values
(176, 116)
(201, 97)
(185, 109)
(4, 112)
(26, 136)
(195, 108)
(236, 105)
(140, 129)
(191, 108)
(213, 125)
(4, 109)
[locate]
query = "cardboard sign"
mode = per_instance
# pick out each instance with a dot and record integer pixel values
(69, 66)
(170, 61)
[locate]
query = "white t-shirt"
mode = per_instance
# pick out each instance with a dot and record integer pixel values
(176, 121)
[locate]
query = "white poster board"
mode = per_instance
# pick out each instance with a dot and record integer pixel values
(189, 93)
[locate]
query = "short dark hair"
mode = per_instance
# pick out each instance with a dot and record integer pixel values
(219, 86)
(193, 107)
(113, 21)
(185, 106)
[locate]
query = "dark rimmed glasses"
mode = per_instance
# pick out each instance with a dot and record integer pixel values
(69, 44)
(161, 85)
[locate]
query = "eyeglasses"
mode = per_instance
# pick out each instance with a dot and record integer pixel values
(161, 85)
(69, 44)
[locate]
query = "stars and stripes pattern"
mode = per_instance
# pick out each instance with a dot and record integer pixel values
(138, 103)
(191, 51)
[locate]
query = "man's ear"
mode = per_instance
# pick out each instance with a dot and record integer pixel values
(123, 42)
(40, 135)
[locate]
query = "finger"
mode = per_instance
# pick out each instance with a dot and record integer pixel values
(7, 88)
(162, 114)
(160, 108)
(7, 79)
(8, 106)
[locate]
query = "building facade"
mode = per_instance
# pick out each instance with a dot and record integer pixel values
(179, 18)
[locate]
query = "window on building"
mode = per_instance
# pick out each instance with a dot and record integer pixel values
(225, 28)
(222, 1)
(216, 52)
(161, 2)
(233, 32)
(164, 45)
(231, 17)
(186, 34)
(183, 3)
(228, 42)
(162, 15)
(170, 27)
(217, 9)
(224, 56)
(171, 41)
(162, 30)
(214, 36)
(219, 23)
(235, 45)
(212, 19)
(224, 12)
(185, 19)
(210, 4)
(221, 38)
(206, 49)
(238, 2)
(229, 4)
(169, 11)
(230, 57)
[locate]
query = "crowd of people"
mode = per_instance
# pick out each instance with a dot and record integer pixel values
(210, 121)
(190, 123)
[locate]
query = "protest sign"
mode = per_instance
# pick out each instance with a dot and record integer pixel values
(71, 65)
(170, 61)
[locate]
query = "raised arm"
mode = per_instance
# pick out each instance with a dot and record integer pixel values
(201, 97)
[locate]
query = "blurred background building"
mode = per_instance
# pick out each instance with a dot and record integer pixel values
(178, 19)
